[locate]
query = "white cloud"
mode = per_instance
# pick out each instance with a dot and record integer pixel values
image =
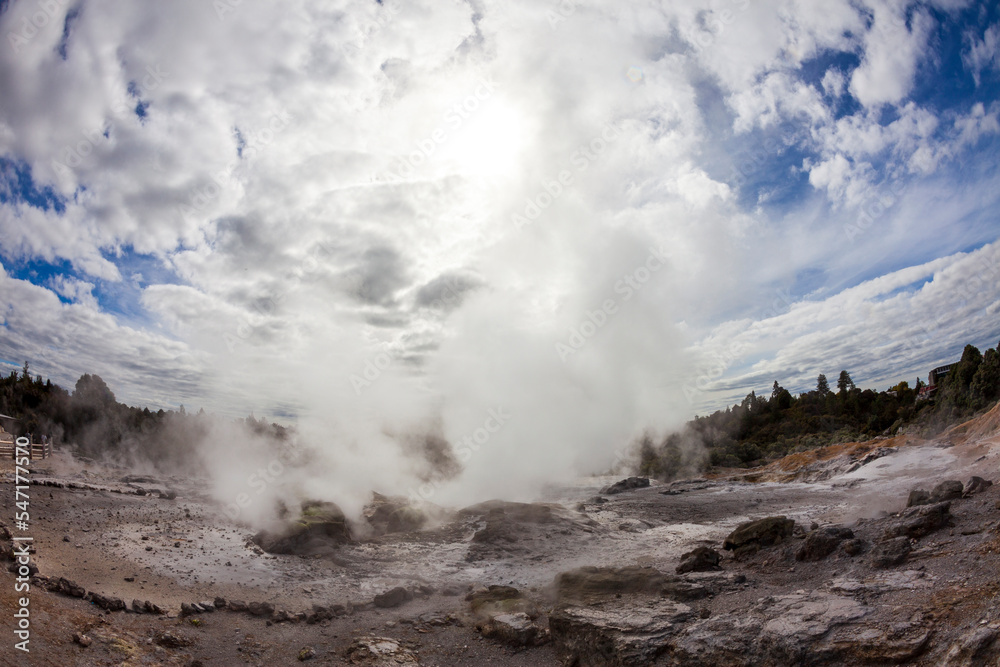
(265, 179)
(983, 54)
(894, 47)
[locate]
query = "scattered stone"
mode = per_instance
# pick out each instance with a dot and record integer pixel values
(169, 639)
(82, 639)
(207, 606)
(168, 494)
(151, 608)
(918, 497)
(237, 605)
(265, 609)
(854, 547)
(949, 490)
(307, 653)
(380, 652)
(281, 616)
(749, 537)
(137, 607)
(976, 485)
(104, 602)
(32, 567)
(702, 559)
(821, 543)
(513, 629)
(188, 609)
(916, 522)
(220, 603)
(977, 647)
(393, 598)
(71, 588)
(621, 632)
(891, 552)
(626, 485)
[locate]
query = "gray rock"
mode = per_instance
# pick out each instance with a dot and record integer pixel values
(916, 522)
(393, 598)
(891, 552)
(752, 535)
(977, 648)
(513, 629)
(976, 485)
(950, 490)
(380, 652)
(822, 542)
(265, 609)
(918, 497)
(621, 632)
(701, 559)
(626, 485)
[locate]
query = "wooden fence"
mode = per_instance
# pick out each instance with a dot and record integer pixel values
(36, 450)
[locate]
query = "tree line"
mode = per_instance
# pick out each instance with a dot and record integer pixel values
(96, 425)
(764, 428)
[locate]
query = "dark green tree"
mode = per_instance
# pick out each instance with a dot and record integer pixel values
(822, 386)
(844, 382)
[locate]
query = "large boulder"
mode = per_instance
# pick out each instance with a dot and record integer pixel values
(626, 485)
(752, 535)
(393, 598)
(916, 522)
(976, 485)
(822, 542)
(803, 628)
(622, 632)
(949, 490)
(701, 559)
(517, 629)
(388, 514)
(380, 652)
(891, 552)
(319, 528)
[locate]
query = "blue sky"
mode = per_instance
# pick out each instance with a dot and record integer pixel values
(202, 205)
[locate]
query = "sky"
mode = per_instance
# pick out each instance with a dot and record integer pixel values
(373, 217)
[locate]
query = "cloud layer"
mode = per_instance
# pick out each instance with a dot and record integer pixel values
(376, 218)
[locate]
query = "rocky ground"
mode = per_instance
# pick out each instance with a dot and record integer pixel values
(815, 559)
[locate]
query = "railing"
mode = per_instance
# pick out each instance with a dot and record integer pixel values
(37, 450)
